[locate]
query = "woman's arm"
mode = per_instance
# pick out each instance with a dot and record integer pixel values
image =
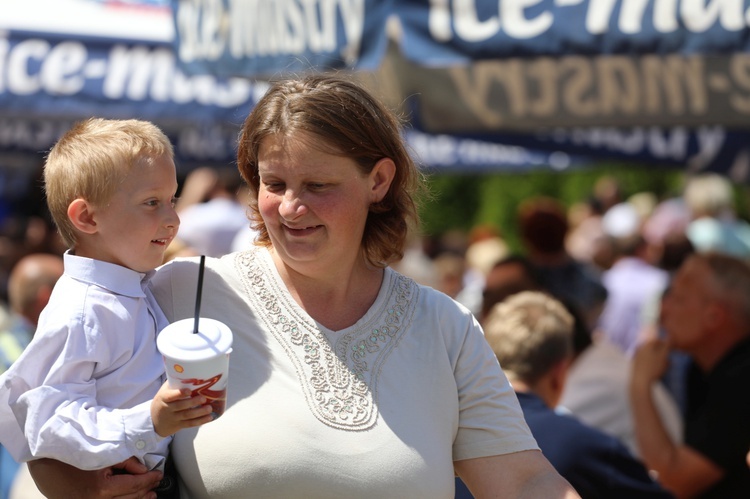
(127, 480)
(517, 475)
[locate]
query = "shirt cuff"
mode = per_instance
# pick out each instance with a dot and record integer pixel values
(139, 430)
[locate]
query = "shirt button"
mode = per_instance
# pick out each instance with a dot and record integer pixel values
(140, 445)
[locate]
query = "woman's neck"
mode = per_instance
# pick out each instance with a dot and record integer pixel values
(336, 298)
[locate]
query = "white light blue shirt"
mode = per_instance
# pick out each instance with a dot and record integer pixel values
(82, 389)
(632, 286)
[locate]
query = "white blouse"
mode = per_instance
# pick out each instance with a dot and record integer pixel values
(380, 409)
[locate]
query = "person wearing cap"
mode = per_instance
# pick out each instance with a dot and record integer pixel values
(715, 225)
(632, 283)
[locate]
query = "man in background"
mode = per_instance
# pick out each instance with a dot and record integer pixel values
(706, 314)
(29, 287)
(531, 334)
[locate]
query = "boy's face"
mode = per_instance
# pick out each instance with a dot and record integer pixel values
(136, 226)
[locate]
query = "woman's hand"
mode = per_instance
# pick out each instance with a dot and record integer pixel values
(127, 480)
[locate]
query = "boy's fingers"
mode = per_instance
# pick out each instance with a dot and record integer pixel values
(185, 404)
(173, 394)
(198, 421)
(199, 412)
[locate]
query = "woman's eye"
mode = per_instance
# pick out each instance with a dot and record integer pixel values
(152, 202)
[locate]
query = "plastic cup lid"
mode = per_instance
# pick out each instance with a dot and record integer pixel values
(178, 341)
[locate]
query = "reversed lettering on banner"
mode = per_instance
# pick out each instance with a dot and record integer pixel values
(526, 94)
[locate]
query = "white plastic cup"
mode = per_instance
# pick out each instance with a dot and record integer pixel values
(198, 361)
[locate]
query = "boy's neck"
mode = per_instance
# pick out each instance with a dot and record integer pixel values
(93, 255)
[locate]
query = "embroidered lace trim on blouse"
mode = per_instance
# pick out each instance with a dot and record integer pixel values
(339, 376)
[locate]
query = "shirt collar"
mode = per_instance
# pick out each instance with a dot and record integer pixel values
(114, 278)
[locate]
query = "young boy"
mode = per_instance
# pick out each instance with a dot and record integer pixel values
(89, 390)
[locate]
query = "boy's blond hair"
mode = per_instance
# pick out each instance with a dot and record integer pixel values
(530, 332)
(91, 160)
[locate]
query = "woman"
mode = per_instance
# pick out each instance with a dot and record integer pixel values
(347, 379)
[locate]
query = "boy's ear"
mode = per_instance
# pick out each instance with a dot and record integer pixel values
(81, 215)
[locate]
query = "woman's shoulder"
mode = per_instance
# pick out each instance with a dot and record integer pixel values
(435, 306)
(431, 296)
(181, 274)
(187, 264)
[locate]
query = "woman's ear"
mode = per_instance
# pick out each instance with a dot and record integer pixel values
(381, 176)
(81, 215)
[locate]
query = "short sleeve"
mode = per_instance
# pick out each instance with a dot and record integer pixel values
(490, 418)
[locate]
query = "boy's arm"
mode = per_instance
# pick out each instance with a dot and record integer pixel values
(82, 391)
(66, 425)
(52, 392)
(87, 446)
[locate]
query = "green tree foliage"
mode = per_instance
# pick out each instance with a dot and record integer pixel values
(465, 201)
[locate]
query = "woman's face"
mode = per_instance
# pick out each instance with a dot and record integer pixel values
(314, 204)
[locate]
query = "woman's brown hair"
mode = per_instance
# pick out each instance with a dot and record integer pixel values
(350, 122)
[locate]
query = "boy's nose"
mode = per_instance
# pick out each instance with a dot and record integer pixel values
(173, 220)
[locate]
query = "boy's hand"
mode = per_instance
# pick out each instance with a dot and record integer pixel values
(173, 410)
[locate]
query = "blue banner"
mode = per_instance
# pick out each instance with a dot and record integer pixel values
(705, 148)
(269, 37)
(503, 113)
(50, 82)
(444, 153)
(445, 32)
(699, 149)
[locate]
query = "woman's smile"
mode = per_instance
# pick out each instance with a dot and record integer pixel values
(302, 231)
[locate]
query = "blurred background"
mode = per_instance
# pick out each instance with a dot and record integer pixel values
(565, 142)
(590, 103)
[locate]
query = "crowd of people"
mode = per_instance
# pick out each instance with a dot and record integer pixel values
(603, 358)
(660, 294)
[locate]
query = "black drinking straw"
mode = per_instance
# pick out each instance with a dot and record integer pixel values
(199, 292)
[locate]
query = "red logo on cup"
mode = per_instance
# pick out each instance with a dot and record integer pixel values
(217, 398)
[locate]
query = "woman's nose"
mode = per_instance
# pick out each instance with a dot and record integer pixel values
(291, 205)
